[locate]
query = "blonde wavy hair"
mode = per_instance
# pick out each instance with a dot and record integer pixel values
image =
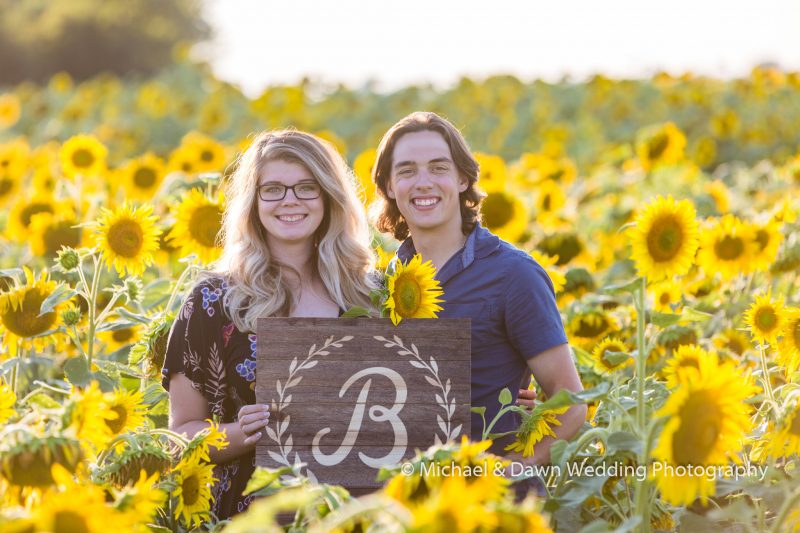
(343, 258)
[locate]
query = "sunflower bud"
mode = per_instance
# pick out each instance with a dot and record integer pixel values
(133, 289)
(71, 315)
(68, 259)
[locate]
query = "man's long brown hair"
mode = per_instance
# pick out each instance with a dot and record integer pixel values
(390, 220)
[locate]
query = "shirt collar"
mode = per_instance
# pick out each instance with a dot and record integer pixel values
(480, 243)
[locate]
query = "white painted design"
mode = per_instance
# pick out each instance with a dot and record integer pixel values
(377, 413)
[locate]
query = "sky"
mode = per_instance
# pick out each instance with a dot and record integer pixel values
(264, 42)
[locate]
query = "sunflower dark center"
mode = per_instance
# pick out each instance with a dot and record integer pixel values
(664, 299)
(729, 248)
(546, 202)
(207, 155)
(766, 319)
(61, 234)
(407, 296)
(204, 225)
(5, 186)
(665, 239)
(689, 362)
(186, 166)
(591, 326)
(118, 423)
(191, 490)
(32, 209)
(83, 158)
(126, 237)
(701, 421)
(762, 238)
(794, 427)
(606, 351)
(796, 333)
(657, 145)
(67, 521)
(144, 177)
(122, 335)
(497, 210)
(735, 346)
(566, 246)
(24, 321)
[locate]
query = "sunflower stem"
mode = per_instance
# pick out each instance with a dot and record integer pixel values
(765, 375)
(93, 310)
(186, 271)
(641, 488)
(787, 506)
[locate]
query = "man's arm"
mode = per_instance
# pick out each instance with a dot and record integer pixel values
(554, 370)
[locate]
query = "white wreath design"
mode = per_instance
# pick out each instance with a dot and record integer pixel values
(284, 400)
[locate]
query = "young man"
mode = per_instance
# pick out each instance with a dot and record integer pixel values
(427, 177)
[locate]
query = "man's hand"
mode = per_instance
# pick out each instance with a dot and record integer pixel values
(526, 398)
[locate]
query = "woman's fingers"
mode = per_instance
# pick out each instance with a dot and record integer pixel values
(252, 439)
(253, 427)
(253, 417)
(253, 409)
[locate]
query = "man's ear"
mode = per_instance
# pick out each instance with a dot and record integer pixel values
(463, 183)
(389, 191)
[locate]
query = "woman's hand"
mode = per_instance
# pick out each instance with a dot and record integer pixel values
(526, 398)
(252, 418)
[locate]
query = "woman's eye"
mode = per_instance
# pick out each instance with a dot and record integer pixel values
(272, 190)
(308, 187)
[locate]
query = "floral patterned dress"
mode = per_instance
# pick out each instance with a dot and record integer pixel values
(220, 361)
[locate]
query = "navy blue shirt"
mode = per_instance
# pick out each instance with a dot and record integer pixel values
(512, 304)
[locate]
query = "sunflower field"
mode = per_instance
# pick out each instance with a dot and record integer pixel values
(665, 211)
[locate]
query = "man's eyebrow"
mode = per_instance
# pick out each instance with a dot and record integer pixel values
(436, 160)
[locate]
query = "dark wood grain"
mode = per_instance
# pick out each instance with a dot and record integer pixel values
(420, 389)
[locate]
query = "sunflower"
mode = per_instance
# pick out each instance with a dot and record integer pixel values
(665, 238)
(129, 408)
(504, 214)
(566, 246)
(183, 159)
(210, 155)
(728, 247)
(13, 165)
(785, 440)
(685, 361)
(789, 348)
(666, 295)
(20, 318)
(49, 232)
(493, 174)
(550, 198)
(534, 428)
(119, 338)
(733, 341)
(7, 401)
(605, 360)
(208, 437)
(708, 420)
(193, 491)
(143, 176)
(548, 262)
(768, 237)
(765, 318)
(83, 155)
(453, 506)
(413, 291)
(585, 328)
(362, 167)
(19, 217)
(127, 238)
(10, 110)
(143, 498)
(720, 194)
(80, 509)
(88, 416)
(660, 145)
(197, 225)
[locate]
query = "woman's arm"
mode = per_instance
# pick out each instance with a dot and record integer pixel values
(188, 412)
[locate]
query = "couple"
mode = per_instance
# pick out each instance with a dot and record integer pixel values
(296, 243)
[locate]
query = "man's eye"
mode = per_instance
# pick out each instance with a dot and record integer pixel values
(404, 172)
(440, 168)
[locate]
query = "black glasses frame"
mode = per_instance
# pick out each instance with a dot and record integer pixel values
(286, 188)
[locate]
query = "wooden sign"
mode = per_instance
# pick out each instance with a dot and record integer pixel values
(349, 395)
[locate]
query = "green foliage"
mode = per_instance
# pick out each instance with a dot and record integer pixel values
(87, 37)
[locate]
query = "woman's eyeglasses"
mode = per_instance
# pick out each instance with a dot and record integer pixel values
(272, 192)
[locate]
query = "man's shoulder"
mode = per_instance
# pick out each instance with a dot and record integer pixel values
(517, 266)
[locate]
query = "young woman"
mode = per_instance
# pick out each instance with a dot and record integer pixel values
(296, 243)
